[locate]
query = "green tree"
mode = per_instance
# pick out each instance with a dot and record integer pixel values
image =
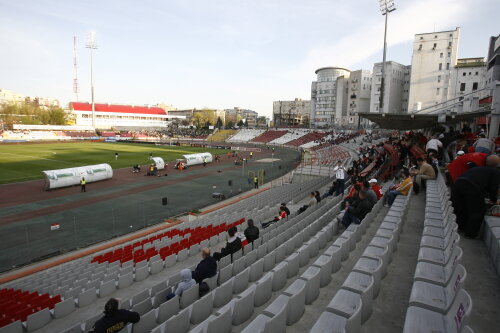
(240, 123)
(229, 124)
(218, 124)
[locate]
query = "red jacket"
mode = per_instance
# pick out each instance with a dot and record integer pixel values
(460, 164)
(378, 191)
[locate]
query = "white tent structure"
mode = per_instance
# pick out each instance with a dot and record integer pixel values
(72, 176)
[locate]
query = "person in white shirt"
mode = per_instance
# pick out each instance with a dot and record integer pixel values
(433, 145)
(340, 175)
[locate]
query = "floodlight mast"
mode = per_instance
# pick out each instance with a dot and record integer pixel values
(386, 6)
(92, 45)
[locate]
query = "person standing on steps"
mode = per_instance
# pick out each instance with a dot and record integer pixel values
(82, 185)
(340, 173)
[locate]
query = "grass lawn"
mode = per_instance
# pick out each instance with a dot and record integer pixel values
(22, 162)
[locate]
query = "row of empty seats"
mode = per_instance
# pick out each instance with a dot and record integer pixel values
(245, 135)
(312, 136)
(492, 239)
(268, 136)
(438, 302)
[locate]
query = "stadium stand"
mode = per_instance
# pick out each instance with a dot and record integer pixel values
(268, 136)
(221, 135)
(245, 135)
(291, 135)
(312, 136)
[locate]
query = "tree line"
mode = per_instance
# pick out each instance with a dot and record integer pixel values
(32, 114)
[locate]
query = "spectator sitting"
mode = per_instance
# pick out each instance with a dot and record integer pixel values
(251, 232)
(376, 188)
(206, 268)
(282, 215)
(233, 244)
(353, 194)
(424, 172)
(114, 319)
(370, 194)
(356, 212)
(402, 189)
(312, 202)
(136, 168)
(187, 282)
(317, 196)
(286, 209)
(484, 145)
(330, 191)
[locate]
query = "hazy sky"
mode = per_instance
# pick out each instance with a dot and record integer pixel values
(215, 53)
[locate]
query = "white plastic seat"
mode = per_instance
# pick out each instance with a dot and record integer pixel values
(292, 265)
(202, 308)
(146, 324)
(170, 261)
(437, 274)
(156, 266)
(15, 327)
(256, 270)
(223, 294)
(239, 266)
(263, 289)
(325, 264)
(225, 274)
(241, 281)
(168, 309)
(64, 308)
(280, 272)
(435, 297)
(334, 252)
(178, 323)
(313, 276)
(440, 257)
(182, 255)
(424, 320)
(86, 297)
(143, 307)
(343, 244)
(189, 296)
(297, 301)
(125, 280)
(242, 306)
(347, 304)
(361, 284)
(329, 322)
(38, 319)
(372, 266)
(251, 257)
(107, 288)
(269, 260)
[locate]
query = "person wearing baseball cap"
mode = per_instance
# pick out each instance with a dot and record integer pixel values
(376, 188)
(460, 153)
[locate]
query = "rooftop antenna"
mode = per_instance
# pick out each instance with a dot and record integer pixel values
(76, 88)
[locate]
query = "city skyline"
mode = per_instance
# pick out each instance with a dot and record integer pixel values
(191, 54)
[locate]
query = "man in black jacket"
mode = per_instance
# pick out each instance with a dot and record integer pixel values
(357, 211)
(206, 268)
(233, 244)
(251, 232)
(468, 194)
(114, 319)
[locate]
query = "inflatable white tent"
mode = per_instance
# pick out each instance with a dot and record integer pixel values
(194, 159)
(72, 176)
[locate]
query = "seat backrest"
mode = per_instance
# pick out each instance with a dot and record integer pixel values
(168, 309)
(64, 308)
(457, 316)
(137, 298)
(241, 281)
(178, 323)
(189, 296)
(456, 283)
(146, 324)
(38, 319)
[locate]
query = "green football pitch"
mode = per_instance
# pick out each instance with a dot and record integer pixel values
(23, 162)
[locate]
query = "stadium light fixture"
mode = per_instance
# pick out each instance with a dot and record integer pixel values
(386, 6)
(92, 45)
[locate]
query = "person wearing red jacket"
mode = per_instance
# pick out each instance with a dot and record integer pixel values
(376, 188)
(464, 162)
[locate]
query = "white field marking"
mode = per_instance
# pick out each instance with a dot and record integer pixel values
(39, 158)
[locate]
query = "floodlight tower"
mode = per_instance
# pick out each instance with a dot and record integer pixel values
(76, 88)
(92, 45)
(386, 6)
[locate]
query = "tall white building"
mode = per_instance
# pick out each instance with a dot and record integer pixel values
(396, 75)
(359, 93)
(433, 61)
(324, 92)
(291, 113)
(468, 76)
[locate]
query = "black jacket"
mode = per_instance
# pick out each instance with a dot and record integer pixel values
(251, 233)
(485, 180)
(116, 322)
(205, 269)
(360, 208)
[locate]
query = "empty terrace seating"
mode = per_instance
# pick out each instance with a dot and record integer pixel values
(245, 135)
(268, 136)
(306, 138)
(492, 239)
(291, 135)
(438, 302)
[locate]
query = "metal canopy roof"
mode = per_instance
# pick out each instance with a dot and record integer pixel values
(417, 121)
